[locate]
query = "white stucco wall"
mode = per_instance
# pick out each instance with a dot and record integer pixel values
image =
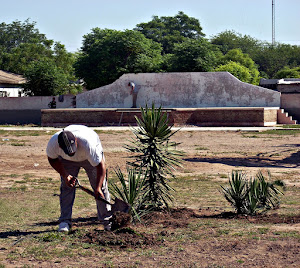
(180, 90)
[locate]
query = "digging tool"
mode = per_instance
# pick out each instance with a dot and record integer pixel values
(118, 205)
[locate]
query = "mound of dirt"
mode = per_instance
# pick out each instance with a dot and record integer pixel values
(120, 220)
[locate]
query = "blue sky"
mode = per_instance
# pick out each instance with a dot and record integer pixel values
(66, 21)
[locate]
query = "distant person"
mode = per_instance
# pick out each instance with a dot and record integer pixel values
(75, 147)
(134, 92)
(52, 104)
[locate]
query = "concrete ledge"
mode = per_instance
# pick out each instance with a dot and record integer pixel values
(229, 116)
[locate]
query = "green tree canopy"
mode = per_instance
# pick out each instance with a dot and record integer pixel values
(229, 40)
(17, 33)
(171, 30)
(44, 78)
(236, 55)
(288, 72)
(107, 54)
(22, 46)
(238, 70)
(192, 56)
(272, 58)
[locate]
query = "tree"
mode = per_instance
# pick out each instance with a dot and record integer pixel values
(288, 72)
(229, 40)
(44, 78)
(22, 45)
(237, 56)
(192, 56)
(272, 58)
(169, 31)
(107, 54)
(16, 33)
(239, 71)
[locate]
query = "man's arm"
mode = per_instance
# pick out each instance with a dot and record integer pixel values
(57, 165)
(101, 171)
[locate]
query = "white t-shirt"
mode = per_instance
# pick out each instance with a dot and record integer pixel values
(88, 146)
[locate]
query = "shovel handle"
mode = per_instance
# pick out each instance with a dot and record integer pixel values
(93, 194)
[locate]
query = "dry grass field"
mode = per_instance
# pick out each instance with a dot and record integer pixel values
(200, 230)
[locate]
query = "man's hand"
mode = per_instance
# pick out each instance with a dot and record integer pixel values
(70, 181)
(98, 192)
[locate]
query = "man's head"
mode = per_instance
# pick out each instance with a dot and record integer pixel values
(67, 142)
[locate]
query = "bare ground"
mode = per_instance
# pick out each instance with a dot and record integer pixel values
(213, 154)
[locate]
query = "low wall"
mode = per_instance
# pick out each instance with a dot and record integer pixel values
(27, 110)
(20, 117)
(252, 116)
(36, 102)
(180, 90)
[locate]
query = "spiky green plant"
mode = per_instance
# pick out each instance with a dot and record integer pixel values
(131, 190)
(252, 202)
(268, 192)
(237, 191)
(250, 196)
(155, 153)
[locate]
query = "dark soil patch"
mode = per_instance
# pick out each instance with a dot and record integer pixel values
(121, 238)
(173, 217)
(272, 218)
(275, 219)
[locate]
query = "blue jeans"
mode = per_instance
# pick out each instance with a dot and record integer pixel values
(67, 194)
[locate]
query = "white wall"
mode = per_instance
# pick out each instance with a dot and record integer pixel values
(11, 92)
(180, 90)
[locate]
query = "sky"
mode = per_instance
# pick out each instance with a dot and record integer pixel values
(67, 21)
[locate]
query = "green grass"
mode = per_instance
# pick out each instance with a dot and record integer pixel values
(28, 133)
(290, 126)
(30, 216)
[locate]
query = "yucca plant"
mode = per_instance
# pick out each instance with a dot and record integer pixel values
(131, 191)
(155, 153)
(250, 196)
(252, 201)
(268, 191)
(237, 191)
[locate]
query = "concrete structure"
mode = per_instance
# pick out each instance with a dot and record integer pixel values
(289, 89)
(203, 99)
(11, 84)
(180, 90)
(27, 110)
(236, 116)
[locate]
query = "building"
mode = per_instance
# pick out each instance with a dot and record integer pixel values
(11, 84)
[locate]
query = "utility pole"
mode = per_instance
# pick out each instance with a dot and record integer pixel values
(273, 22)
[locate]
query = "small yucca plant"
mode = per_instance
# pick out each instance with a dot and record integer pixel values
(268, 192)
(250, 196)
(131, 191)
(237, 191)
